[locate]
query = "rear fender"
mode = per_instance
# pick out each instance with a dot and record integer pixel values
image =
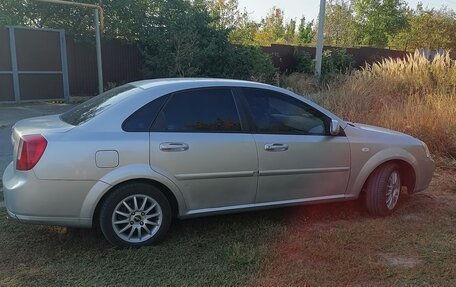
(123, 174)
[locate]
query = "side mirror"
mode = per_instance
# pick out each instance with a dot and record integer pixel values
(334, 128)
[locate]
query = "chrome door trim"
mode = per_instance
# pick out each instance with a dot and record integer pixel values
(213, 175)
(302, 171)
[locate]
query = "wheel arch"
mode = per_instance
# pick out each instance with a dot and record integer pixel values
(406, 161)
(163, 188)
(125, 175)
(406, 170)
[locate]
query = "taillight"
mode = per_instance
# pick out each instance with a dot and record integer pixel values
(30, 150)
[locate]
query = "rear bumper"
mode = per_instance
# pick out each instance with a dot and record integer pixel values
(53, 202)
(59, 221)
(12, 215)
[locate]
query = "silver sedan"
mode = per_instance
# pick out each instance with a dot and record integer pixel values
(135, 157)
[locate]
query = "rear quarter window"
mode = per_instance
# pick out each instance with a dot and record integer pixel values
(96, 105)
(142, 119)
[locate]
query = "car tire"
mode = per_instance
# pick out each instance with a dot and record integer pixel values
(134, 215)
(383, 190)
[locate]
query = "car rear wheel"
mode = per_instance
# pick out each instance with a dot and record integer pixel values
(383, 190)
(135, 214)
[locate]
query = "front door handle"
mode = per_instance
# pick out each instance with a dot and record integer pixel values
(173, 146)
(276, 147)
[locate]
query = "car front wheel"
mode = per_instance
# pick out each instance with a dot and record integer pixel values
(383, 190)
(135, 214)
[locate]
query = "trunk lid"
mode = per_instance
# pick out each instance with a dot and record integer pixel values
(38, 125)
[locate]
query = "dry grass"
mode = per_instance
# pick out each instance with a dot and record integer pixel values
(413, 95)
(335, 244)
(301, 83)
(328, 246)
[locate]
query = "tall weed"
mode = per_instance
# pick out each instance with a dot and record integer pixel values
(412, 95)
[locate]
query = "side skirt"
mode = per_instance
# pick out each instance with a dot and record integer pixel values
(265, 205)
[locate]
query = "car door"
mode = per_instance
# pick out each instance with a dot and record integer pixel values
(298, 158)
(198, 141)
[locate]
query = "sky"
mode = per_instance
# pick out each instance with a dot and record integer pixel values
(309, 8)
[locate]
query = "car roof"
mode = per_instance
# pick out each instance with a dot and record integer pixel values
(147, 84)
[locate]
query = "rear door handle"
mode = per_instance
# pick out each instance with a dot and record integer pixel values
(276, 147)
(173, 146)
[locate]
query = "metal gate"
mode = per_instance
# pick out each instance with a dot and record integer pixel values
(33, 64)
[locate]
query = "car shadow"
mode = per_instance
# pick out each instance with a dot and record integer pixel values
(221, 226)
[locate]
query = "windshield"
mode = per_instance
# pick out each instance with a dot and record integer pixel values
(96, 105)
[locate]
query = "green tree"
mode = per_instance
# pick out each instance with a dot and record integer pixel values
(226, 13)
(123, 19)
(290, 32)
(340, 23)
(379, 20)
(427, 28)
(228, 16)
(271, 28)
(174, 38)
(245, 33)
(306, 32)
(182, 41)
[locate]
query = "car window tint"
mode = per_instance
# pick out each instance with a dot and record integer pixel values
(141, 120)
(273, 112)
(205, 110)
(96, 105)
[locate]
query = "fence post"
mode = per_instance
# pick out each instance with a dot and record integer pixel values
(12, 42)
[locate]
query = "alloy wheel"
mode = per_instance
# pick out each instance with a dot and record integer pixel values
(137, 218)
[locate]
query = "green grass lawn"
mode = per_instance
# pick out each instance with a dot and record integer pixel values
(332, 245)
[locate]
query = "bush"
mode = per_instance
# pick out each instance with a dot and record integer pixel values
(334, 62)
(304, 62)
(255, 65)
(182, 41)
(412, 95)
(240, 62)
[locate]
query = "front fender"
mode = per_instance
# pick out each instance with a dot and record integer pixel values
(122, 174)
(360, 175)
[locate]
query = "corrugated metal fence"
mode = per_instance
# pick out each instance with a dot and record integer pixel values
(123, 62)
(32, 64)
(40, 64)
(284, 59)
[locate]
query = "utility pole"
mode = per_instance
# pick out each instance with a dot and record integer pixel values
(99, 27)
(321, 28)
(98, 47)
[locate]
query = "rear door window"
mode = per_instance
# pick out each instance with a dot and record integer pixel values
(202, 110)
